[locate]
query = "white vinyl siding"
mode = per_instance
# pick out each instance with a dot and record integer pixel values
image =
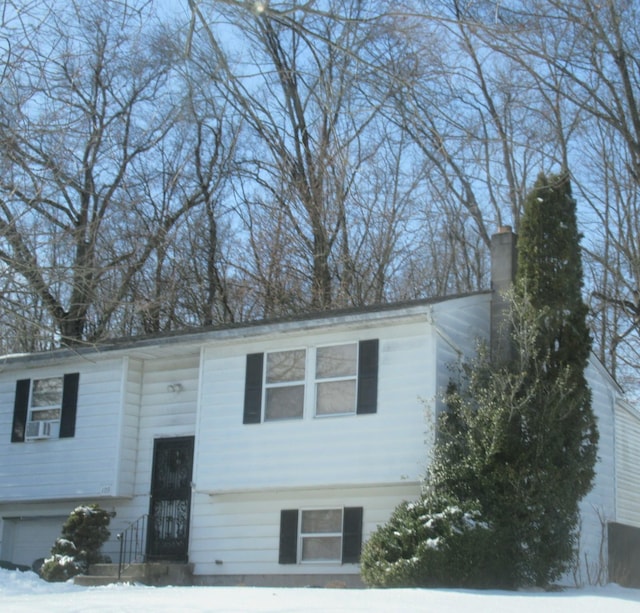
(130, 419)
(387, 446)
(628, 464)
(85, 465)
(598, 506)
(123, 404)
(458, 331)
(383, 447)
(239, 533)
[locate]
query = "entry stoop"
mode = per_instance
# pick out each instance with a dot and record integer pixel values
(157, 574)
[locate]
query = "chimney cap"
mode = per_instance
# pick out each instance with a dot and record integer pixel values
(504, 229)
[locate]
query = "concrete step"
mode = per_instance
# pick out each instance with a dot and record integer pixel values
(151, 573)
(94, 581)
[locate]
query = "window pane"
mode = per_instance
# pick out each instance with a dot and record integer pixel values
(284, 402)
(335, 397)
(285, 366)
(321, 521)
(322, 548)
(47, 392)
(45, 415)
(336, 361)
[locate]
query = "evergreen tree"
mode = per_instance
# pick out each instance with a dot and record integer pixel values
(519, 439)
(550, 277)
(550, 280)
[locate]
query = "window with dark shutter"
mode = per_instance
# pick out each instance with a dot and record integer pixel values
(367, 377)
(351, 535)
(288, 537)
(69, 405)
(253, 389)
(316, 533)
(344, 378)
(20, 410)
(45, 408)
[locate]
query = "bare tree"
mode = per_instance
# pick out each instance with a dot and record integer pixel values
(78, 112)
(300, 87)
(586, 54)
(613, 252)
(188, 284)
(477, 119)
(274, 157)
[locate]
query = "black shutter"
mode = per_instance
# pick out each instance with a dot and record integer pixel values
(253, 389)
(20, 410)
(351, 535)
(69, 405)
(288, 537)
(367, 377)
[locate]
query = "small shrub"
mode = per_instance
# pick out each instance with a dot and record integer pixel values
(431, 543)
(61, 567)
(83, 535)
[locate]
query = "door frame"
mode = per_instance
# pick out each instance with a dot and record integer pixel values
(151, 550)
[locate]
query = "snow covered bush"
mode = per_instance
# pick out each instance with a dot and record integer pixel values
(83, 535)
(431, 542)
(518, 438)
(61, 566)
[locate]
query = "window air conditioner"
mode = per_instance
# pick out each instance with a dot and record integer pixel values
(39, 429)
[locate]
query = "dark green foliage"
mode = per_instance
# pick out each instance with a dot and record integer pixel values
(550, 273)
(518, 441)
(521, 437)
(501, 442)
(63, 564)
(431, 543)
(550, 280)
(83, 535)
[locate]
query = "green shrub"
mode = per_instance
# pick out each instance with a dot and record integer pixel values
(61, 567)
(83, 535)
(431, 543)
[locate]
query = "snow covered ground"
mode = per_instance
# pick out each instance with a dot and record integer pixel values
(25, 592)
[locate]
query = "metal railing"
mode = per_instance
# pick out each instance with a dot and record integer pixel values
(132, 543)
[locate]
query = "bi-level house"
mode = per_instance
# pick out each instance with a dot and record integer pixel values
(265, 453)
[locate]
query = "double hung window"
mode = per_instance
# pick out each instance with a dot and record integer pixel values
(336, 373)
(45, 407)
(46, 399)
(321, 381)
(284, 385)
(321, 535)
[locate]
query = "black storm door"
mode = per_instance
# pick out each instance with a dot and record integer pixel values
(169, 510)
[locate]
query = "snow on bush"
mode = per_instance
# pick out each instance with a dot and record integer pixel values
(429, 543)
(83, 535)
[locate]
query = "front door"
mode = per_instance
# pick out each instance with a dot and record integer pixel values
(168, 535)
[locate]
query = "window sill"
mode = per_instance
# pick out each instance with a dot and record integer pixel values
(334, 416)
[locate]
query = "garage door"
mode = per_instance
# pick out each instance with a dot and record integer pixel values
(27, 539)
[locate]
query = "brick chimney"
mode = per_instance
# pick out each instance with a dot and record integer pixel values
(504, 262)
